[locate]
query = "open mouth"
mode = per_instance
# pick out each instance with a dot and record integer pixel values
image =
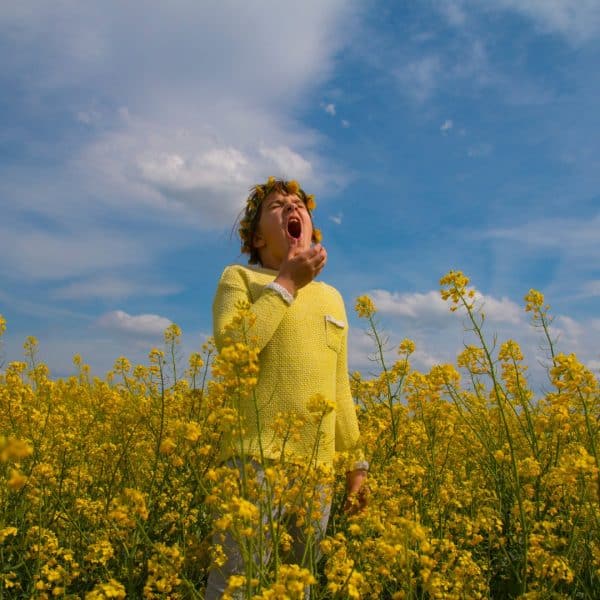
(294, 228)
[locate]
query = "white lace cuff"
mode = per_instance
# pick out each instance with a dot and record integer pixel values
(361, 465)
(281, 291)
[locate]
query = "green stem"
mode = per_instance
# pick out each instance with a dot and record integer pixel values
(387, 380)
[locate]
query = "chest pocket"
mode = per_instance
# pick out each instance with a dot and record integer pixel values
(334, 331)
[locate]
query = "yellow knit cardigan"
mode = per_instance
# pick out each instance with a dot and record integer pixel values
(302, 352)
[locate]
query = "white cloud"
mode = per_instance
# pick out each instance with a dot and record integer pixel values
(189, 178)
(577, 20)
(465, 62)
(415, 305)
(287, 161)
(48, 255)
(419, 78)
(440, 335)
(337, 219)
(573, 238)
(360, 347)
(329, 109)
(85, 43)
(148, 138)
(446, 125)
(363, 354)
(113, 288)
(145, 325)
(215, 169)
(88, 117)
(185, 138)
(429, 307)
(345, 123)
(453, 11)
(500, 310)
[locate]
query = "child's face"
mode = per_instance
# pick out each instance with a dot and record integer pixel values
(284, 221)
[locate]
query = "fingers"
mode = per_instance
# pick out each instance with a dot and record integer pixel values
(318, 254)
(320, 267)
(321, 259)
(304, 265)
(312, 256)
(292, 247)
(355, 503)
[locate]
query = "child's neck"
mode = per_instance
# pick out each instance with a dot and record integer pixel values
(268, 261)
(269, 265)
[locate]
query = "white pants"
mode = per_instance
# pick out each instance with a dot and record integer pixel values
(217, 579)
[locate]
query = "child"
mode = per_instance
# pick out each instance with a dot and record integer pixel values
(301, 330)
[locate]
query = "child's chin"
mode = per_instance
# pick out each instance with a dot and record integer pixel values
(296, 241)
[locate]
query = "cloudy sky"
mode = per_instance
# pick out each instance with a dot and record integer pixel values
(436, 135)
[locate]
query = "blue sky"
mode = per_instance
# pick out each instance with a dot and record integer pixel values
(436, 135)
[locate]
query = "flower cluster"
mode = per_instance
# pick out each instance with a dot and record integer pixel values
(364, 307)
(478, 488)
(258, 194)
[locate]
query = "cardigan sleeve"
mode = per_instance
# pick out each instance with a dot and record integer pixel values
(268, 309)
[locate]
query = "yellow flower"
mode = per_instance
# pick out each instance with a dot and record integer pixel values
(100, 552)
(156, 356)
(219, 558)
(473, 359)
(104, 591)
(292, 187)
(454, 287)
(534, 300)
(167, 446)
(510, 351)
(14, 449)
(2, 325)
(406, 347)
(310, 202)
(172, 334)
(17, 480)
(122, 365)
(136, 500)
(195, 362)
(30, 345)
(4, 533)
(364, 307)
(235, 582)
(317, 403)
(192, 432)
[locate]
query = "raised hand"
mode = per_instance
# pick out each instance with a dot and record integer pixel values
(300, 267)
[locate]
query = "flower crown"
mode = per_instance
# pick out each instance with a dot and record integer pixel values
(258, 193)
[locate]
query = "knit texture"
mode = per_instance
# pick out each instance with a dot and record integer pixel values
(302, 352)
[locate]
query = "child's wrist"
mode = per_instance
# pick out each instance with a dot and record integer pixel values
(287, 283)
(355, 480)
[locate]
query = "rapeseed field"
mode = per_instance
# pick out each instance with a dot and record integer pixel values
(478, 488)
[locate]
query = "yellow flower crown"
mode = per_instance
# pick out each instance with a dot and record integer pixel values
(249, 222)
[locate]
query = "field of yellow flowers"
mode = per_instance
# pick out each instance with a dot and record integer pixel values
(112, 488)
